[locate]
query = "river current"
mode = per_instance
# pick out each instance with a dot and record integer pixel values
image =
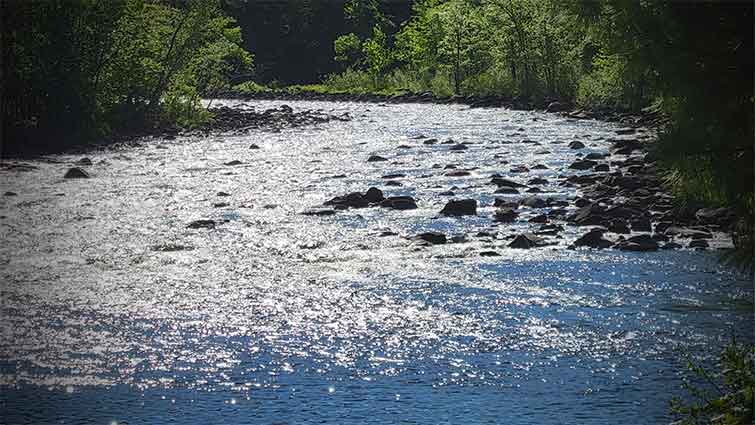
(114, 312)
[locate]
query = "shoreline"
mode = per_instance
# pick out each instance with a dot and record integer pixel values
(647, 119)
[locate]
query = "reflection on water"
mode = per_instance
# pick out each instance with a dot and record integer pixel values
(115, 312)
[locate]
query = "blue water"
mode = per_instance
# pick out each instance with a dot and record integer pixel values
(115, 313)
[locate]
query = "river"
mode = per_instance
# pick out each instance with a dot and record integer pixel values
(114, 312)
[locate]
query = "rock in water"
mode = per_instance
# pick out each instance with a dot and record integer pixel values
(583, 165)
(435, 238)
(202, 224)
(533, 202)
(576, 145)
(460, 207)
(376, 158)
(76, 173)
(505, 215)
(525, 241)
(593, 239)
(399, 203)
(352, 200)
(320, 212)
(234, 162)
(374, 195)
(638, 243)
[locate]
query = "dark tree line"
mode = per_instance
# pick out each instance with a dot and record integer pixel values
(293, 39)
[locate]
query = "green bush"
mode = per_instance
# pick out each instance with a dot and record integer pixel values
(725, 397)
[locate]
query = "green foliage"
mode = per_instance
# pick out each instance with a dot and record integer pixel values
(348, 48)
(603, 87)
(351, 80)
(85, 68)
(724, 398)
(509, 47)
(377, 55)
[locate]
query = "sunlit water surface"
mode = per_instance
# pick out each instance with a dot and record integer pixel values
(114, 312)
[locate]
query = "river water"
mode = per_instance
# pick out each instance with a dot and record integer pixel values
(113, 311)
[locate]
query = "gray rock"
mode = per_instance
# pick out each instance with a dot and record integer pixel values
(584, 164)
(526, 241)
(505, 215)
(593, 239)
(533, 202)
(76, 173)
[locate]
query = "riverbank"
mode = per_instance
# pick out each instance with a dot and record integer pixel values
(647, 117)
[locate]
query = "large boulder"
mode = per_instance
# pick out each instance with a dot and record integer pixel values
(460, 207)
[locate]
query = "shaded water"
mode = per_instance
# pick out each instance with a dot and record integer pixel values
(114, 312)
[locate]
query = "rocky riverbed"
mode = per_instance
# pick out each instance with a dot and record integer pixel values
(359, 262)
